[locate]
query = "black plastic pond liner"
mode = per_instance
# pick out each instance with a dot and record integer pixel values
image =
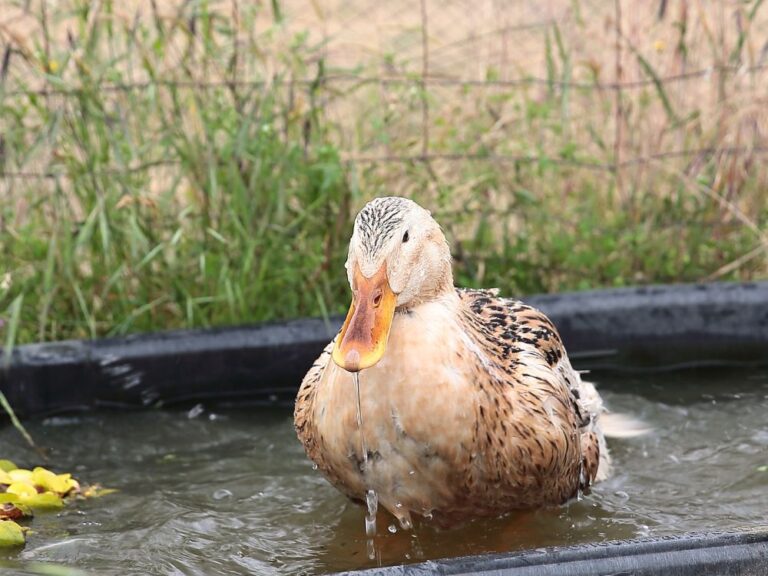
(647, 328)
(650, 328)
(716, 554)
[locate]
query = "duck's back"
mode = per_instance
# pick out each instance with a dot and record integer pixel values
(544, 420)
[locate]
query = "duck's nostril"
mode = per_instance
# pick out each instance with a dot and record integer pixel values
(377, 299)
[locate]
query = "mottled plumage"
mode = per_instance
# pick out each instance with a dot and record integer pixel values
(377, 222)
(473, 410)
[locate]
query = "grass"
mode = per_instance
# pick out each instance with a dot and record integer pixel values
(215, 180)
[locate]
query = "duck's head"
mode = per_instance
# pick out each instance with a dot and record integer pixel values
(398, 258)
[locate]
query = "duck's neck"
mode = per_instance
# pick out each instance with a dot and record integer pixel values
(427, 315)
(441, 291)
(418, 330)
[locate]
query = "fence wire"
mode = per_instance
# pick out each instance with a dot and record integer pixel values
(645, 53)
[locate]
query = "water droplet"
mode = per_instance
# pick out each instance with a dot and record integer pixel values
(398, 504)
(412, 472)
(392, 528)
(370, 526)
(221, 494)
(370, 549)
(314, 466)
(195, 411)
(372, 500)
(363, 447)
(405, 523)
(428, 515)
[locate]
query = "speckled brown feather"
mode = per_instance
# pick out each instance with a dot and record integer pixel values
(536, 380)
(489, 419)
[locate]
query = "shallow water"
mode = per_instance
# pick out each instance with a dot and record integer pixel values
(230, 493)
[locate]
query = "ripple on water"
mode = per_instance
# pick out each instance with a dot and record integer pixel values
(236, 494)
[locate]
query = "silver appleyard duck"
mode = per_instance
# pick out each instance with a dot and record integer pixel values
(470, 406)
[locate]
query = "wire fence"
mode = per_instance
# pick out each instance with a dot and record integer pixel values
(497, 158)
(431, 46)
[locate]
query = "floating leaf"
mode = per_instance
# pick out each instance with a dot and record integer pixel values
(96, 491)
(27, 494)
(47, 480)
(21, 475)
(6, 498)
(762, 468)
(14, 511)
(46, 500)
(11, 534)
(22, 489)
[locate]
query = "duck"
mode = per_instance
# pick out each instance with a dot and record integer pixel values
(468, 404)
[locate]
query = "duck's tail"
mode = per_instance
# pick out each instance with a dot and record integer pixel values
(612, 424)
(618, 425)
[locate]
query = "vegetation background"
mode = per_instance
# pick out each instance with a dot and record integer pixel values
(195, 163)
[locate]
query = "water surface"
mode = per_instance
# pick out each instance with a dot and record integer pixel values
(231, 492)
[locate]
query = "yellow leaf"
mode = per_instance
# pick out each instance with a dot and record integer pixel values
(47, 480)
(44, 500)
(22, 489)
(96, 491)
(11, 534)
(21, 475)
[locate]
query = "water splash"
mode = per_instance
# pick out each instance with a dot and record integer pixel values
(371, 498)
(363, 447)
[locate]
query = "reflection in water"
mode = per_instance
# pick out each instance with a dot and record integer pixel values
(233, 492)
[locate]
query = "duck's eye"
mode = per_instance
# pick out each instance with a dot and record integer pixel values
(405, 237)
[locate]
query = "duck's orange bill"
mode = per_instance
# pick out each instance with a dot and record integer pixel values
(363, 337)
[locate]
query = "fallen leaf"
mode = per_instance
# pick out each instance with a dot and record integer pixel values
(22, 489)
(15, 511)
(47, 480)
(11, 534)
(46, 500)
(96, 491)
(21, 475)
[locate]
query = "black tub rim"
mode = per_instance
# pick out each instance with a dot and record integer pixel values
(638, 328)
(736, 551)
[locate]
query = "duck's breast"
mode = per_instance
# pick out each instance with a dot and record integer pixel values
(418, 411)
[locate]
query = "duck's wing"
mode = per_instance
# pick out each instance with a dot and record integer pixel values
(522, 344)
(303, 412)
